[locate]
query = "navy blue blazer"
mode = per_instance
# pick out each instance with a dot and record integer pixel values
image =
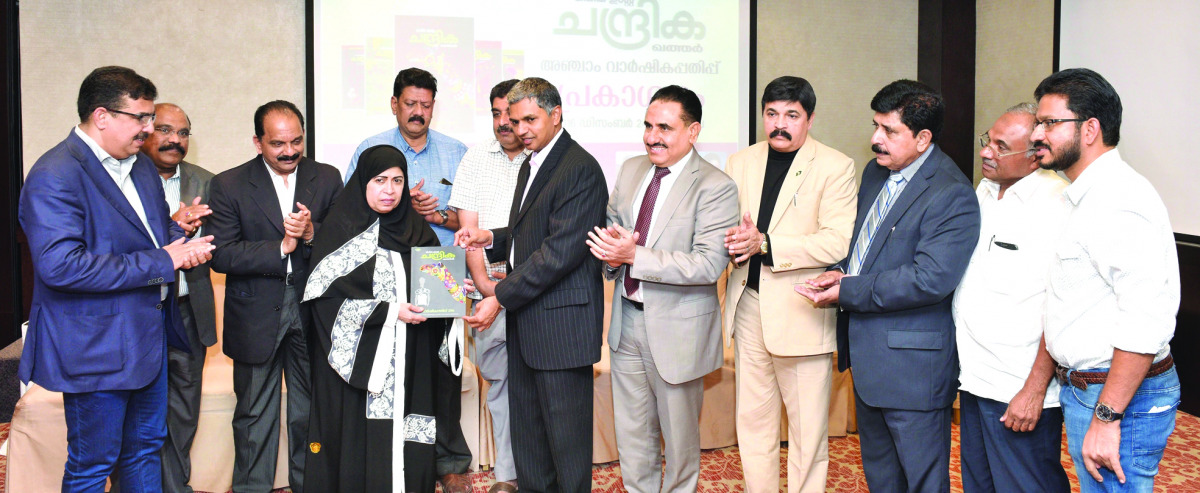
(895, 327)
(98, 321)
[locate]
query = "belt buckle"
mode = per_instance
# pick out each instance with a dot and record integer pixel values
(288, 280)
(1061, 373)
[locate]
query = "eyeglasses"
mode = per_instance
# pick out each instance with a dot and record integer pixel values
(166, 131)
(985, 141)
(1050, 123)
(145, 118)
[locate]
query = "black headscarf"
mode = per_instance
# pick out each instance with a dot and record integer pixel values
(350, 215)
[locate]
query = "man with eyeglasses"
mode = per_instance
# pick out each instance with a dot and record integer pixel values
(186, 189)
(1011, 427)
(1112, 290)
(105, 252)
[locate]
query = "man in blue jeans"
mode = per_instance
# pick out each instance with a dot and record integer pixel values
(1112, 290)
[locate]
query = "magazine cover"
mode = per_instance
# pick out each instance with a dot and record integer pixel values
(437, 281)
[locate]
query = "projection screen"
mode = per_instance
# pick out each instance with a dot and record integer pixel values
(607, 57)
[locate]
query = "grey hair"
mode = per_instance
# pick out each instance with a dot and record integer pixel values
(1026, 108)
(541, 90)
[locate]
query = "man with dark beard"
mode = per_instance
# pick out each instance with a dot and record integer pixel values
(1113, 290)
(186, 189)
(433, 160)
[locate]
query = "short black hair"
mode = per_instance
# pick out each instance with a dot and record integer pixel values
(793, 90)
(501, 90)
(1088, 96)
(277, 105)
(920, 107)
(105, 86)
(687, 99)
(413, 76)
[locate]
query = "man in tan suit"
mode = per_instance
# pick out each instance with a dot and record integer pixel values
(667, 219)
(797, 197)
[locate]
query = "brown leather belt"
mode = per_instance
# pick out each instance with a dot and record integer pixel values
(1081, 379)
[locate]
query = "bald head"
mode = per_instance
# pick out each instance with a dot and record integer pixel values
(168, 143)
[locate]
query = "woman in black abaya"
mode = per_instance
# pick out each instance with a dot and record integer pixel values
(372, 425)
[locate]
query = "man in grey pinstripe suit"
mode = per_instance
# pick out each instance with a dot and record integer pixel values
(553, 294)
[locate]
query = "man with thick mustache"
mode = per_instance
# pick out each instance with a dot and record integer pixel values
(1112, 290)
(482, 196)
(797, 204)
(917, 224)
(104, 252)
(667, 217)
(433, 159)
(186, 189)
(265, 213)
(1011, 424)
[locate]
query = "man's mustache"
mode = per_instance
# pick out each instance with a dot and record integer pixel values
(658, 144)
(417, 118)
(172, 146)
(1040, 144)
(288, 157)
(878, 149)
(501, 128)
(781, 132)
(142, 136)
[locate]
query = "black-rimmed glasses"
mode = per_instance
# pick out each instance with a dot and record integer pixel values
(145, 118)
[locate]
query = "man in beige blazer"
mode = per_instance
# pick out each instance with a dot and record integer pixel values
(797, 198)
(667, 218)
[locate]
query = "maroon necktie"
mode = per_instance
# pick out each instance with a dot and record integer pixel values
(643, 222)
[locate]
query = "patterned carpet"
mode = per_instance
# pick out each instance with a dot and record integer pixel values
(721, 469)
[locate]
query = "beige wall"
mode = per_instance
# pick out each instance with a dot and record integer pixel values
(1014, 51)
(848, 50)
(218, 59)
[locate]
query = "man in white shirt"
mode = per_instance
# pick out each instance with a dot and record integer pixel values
(664, 245)
(482, 196)
(1112, 290)
(1011, 426)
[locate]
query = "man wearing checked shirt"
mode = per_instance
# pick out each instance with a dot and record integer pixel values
(433, 161)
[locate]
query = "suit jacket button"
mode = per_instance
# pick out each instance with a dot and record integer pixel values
(158, 306)
(276, 308)
(743, 282)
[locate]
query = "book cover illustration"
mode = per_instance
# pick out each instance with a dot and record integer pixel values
(437, 281)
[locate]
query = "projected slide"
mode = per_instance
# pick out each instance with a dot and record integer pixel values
(607, 57)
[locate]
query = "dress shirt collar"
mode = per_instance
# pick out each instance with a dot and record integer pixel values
(678, 166)
(119, 169)
(533, 158)
(1023, 190)
(276, 176)
(1095, 173)
(911, 170)
(495, 148)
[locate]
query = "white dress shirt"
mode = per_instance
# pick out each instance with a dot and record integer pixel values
(664, 189)
(999, 305)
(1115, 280)
(535, 164)
(285, 193)
(485, 183)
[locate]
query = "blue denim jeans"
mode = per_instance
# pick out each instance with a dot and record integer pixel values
(116, 429)
(1148, 422)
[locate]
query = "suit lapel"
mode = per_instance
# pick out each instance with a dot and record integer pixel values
(188, 187)
(545, 170)
(306, 183)
(104, 182)
(264, 195)
(687, 177)
(796, 174)
(912, 191)
(755, 172)
(147, 182)
(633, 183)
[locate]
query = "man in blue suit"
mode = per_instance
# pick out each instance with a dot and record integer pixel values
(105, 251)
(917, 225)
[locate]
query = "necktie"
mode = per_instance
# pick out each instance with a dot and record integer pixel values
(879, 210)
(645, 213)
(522, 182)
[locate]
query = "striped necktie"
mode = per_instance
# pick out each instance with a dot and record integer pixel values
(883, 202)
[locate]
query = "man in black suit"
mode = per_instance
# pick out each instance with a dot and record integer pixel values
(266, 212)
(186, 188)
(553, 295)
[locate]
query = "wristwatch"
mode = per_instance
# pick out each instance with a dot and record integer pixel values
(763, 246)
(1106, 414)
(445, 216)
